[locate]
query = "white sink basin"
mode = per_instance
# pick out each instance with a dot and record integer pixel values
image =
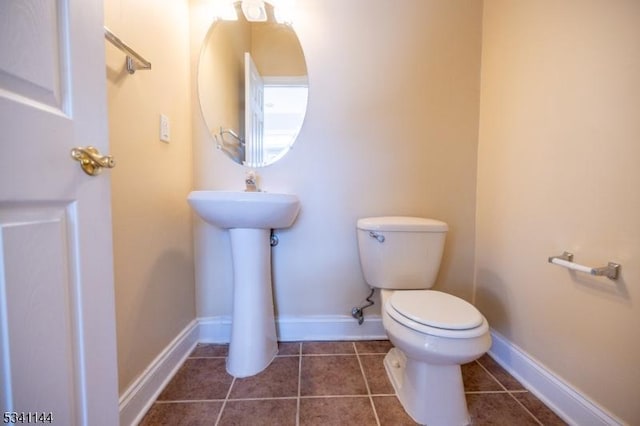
(239, 209)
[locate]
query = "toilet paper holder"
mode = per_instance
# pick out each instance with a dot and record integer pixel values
(611, 271)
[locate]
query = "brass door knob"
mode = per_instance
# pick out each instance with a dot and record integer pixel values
(91, 160)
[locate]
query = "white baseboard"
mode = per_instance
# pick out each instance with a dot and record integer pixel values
(214, 329)
(137, 399)
(329, 327)
(573, 407)
(296, 329)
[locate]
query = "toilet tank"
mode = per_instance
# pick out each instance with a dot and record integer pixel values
(400, 253)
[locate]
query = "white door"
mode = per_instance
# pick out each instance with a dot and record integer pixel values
(57, 322)
(254, 113)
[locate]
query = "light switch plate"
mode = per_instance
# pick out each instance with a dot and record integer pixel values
(165, 128)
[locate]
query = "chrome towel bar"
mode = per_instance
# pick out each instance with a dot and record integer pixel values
(134, 60)
(611, 271)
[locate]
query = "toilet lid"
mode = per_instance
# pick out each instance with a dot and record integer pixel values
(436, 309)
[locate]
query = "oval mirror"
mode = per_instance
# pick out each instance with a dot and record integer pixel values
(253, 88)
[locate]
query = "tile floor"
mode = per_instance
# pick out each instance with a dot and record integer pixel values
(326, 383)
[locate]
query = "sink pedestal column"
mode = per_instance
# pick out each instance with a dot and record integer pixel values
(253, 329)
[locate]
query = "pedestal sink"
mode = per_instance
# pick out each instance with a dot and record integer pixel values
(249, 217)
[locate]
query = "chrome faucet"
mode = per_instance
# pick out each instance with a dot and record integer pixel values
(251, 182)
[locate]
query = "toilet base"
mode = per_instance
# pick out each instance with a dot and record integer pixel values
(430, 394)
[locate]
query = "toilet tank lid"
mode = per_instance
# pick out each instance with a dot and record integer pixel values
(401, 224)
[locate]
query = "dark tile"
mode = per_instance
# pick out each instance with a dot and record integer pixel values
(198, 379)
(331, 375)
(476, 379)
(376, 375)
(182, 413)
(265, 412)
(497, 409)
(506, 379)
(538, 409)
(373, 346)
(279, 379)
(353, 411)
(390, 412)
(333, 387)
(210, 350)
(323, 348)
(288, 348)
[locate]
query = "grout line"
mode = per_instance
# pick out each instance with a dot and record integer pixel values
(510, 394)
(526, 409)
(263, 399)
(345, 354)
(492, 376)
(182, 401)
(337, 396)
(224, 403)
(336, 354)
(179, 401)
(366, 383)
(299, 383)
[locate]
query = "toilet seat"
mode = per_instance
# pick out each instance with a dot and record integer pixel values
(436, 313)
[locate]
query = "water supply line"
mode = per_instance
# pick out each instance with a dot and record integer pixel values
(357, 312)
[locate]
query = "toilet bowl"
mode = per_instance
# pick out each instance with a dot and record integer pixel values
(433, 333)
(424, 365)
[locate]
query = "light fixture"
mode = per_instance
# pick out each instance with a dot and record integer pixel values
(254, 10)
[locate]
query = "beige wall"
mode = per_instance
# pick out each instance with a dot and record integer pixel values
(558, 170)
(154, 282)
(391, 128)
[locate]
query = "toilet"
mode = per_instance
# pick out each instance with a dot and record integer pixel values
(433, 333)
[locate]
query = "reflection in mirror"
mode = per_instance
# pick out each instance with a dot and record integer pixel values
(253, 88)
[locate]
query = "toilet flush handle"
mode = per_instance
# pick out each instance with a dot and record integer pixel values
(377, 236)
